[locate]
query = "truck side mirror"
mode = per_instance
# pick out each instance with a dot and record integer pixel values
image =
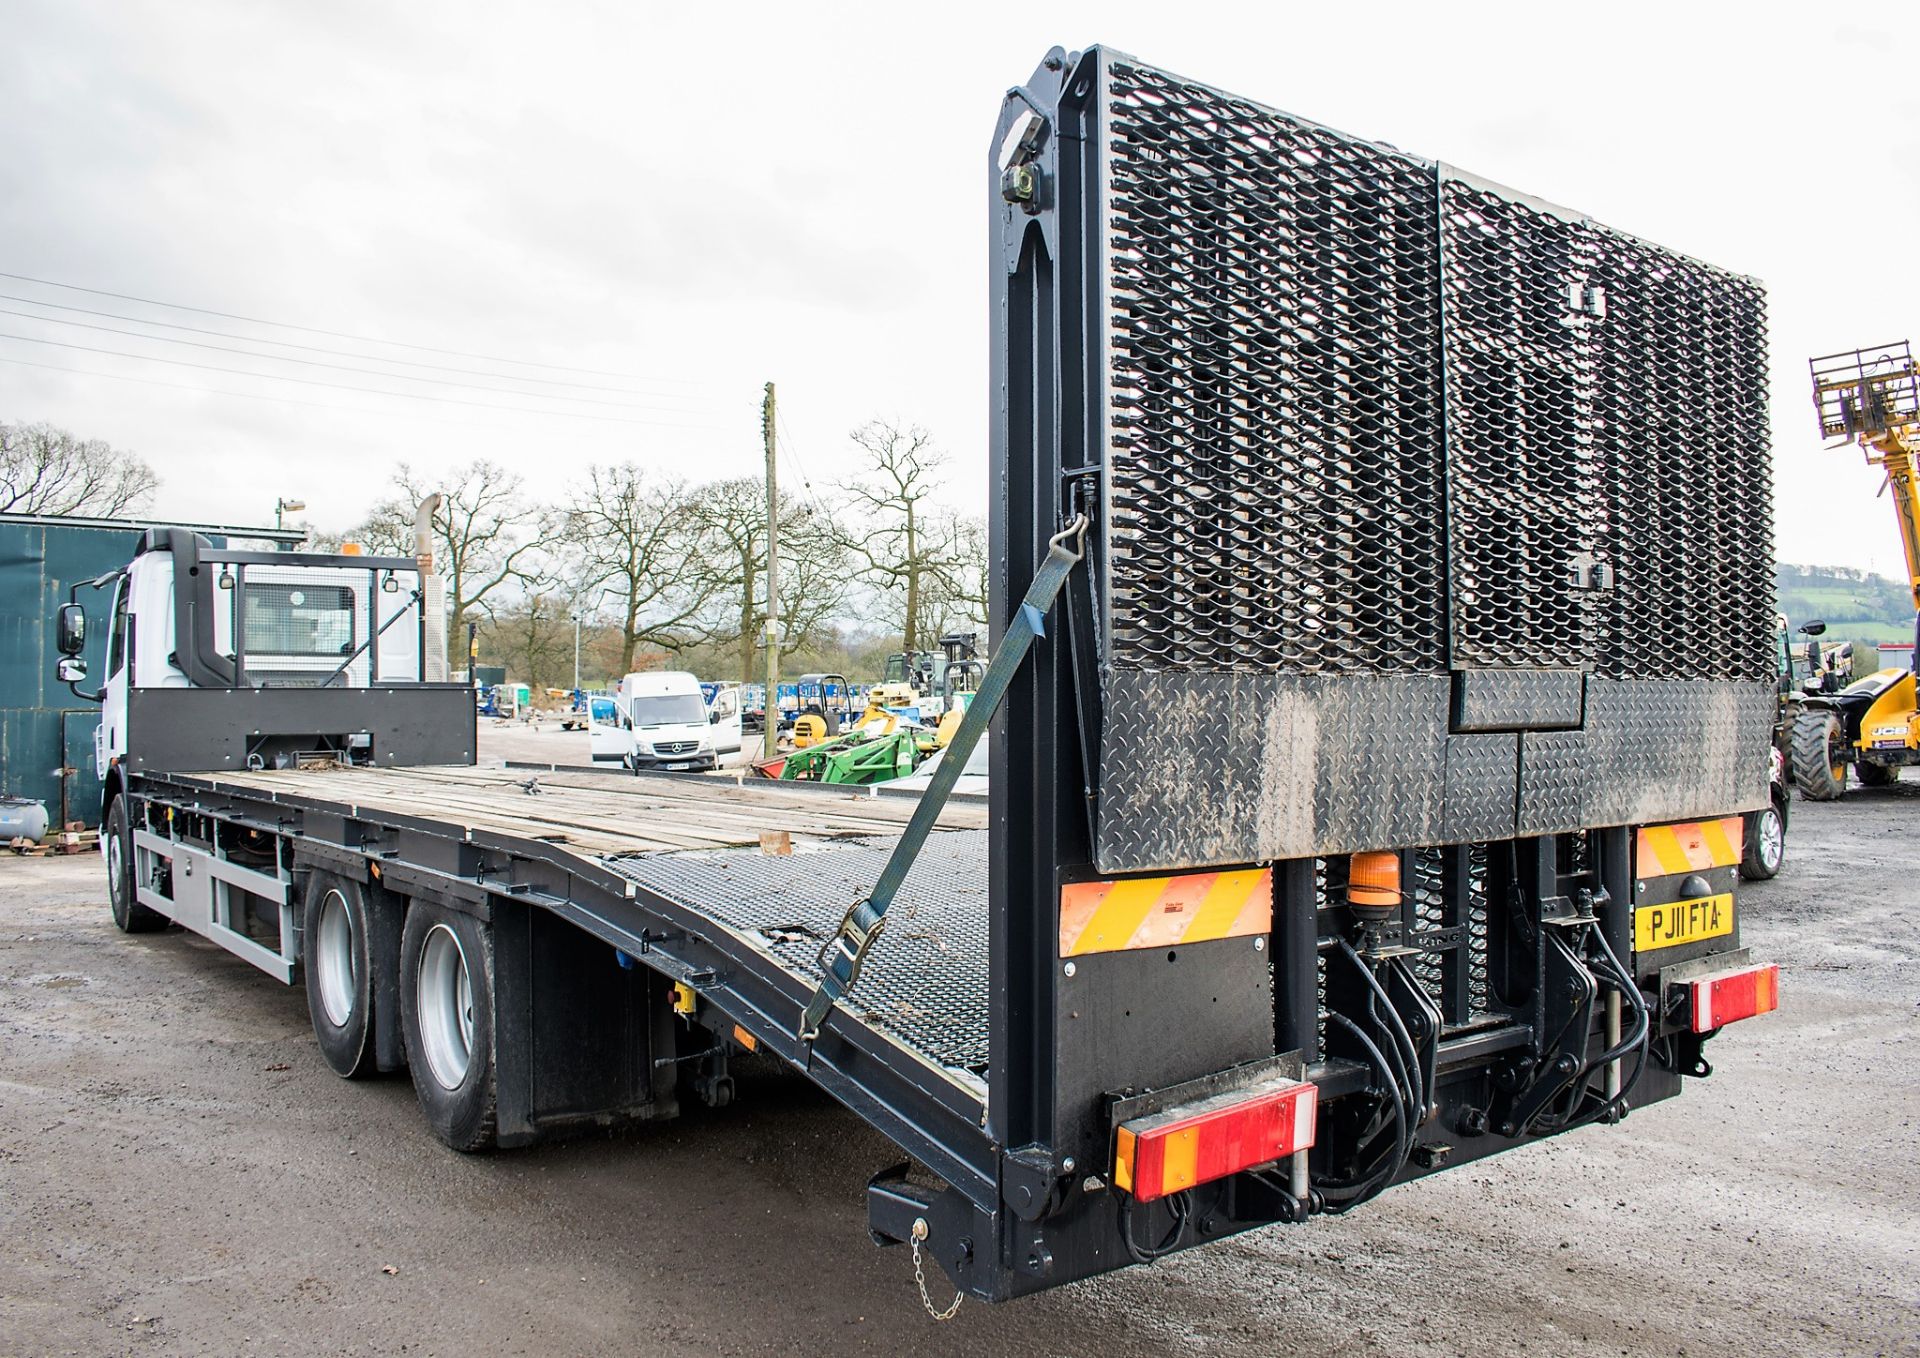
(70, 669)
(71, 632)
(1812, 628)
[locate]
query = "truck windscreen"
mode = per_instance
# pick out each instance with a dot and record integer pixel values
(288, 619)
(679, 709)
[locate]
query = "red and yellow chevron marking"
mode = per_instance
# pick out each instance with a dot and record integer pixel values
(1665, 850)
(1158, 912)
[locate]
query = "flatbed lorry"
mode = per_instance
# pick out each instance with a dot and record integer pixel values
(1381, 619)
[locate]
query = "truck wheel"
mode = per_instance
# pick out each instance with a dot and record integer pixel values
(1875, 775)
(1766, 846)
(117, 844)
(446, 1015)
(1820, 755)
(339, 973)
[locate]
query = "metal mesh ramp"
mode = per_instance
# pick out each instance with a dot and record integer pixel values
(925, 982)
(1434, 513)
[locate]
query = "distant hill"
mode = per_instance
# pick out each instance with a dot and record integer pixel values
(1855, 605)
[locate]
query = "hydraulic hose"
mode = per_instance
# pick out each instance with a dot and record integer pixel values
(1343, 1197)
(1409, 1050)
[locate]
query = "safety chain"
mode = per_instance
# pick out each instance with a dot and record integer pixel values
(920, 1277)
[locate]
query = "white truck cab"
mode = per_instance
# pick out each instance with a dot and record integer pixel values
(657, 720)
(191, 622)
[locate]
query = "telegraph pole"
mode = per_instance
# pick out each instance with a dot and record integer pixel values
(769, 736)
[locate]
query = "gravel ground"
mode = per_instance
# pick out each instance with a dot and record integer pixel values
(179, 1173)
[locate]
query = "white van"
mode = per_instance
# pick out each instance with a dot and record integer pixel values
(723, 717)
(655, 721)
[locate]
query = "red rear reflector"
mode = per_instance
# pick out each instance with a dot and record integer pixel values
(1731, 995)
(1196, 1144)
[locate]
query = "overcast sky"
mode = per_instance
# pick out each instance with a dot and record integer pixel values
(700, 201)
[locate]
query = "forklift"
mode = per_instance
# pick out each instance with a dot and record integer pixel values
(1870, 397)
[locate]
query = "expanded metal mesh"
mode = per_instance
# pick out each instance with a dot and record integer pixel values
(1478, 1000)
(1276, 474)
(1681, 443)
(1427, 890)
(1519, 414)
(1370, 416)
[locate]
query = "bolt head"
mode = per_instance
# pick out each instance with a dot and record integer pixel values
(1069, 969)
(920, 1228)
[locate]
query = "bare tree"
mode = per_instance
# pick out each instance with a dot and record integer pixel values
(731, 566)
(636, 541)
(45, 470)
(955, 598)
(533, 638)
(917, 556)
(489, 539)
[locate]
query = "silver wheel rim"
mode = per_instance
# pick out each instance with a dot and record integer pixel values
(446, 1007)
(115, 868)
(333, 962)
(1773, 840)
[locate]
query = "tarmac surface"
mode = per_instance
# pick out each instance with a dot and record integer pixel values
(180, 1173)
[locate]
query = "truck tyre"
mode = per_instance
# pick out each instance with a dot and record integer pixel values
(1766, 846)
(116, 843)
(1820, 755)
(1875, 775)
(446, 1016)
(337, 960)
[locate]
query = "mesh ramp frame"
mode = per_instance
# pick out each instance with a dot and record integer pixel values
(1372, 420)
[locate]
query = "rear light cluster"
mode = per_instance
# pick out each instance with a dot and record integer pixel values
(1198, 1143)
(1717, 1000)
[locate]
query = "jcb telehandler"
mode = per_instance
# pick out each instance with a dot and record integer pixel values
(1870, 397)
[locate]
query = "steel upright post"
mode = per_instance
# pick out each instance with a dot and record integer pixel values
(771, 726)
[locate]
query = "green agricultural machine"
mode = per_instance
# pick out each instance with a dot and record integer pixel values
(859, 757)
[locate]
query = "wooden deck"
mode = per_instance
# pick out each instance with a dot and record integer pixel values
(608, 813)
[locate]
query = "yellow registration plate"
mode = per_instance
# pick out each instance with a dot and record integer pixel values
(1667, 926)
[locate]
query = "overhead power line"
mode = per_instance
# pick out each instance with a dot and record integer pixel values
(311, 329)
(793, 455)
(333, 406)
(341, 386)
(338, 367)
(337, 353)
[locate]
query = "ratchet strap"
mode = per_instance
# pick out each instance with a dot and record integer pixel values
(840, 960)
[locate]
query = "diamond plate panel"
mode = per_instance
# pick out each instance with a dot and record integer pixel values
(1480, 786)
(1651, 752)
(1515, 700)
(1555, 771)
(1248, 768)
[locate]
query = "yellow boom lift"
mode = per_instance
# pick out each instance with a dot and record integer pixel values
(1870, 397)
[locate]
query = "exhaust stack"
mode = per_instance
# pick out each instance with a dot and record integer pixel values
(433, 601)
